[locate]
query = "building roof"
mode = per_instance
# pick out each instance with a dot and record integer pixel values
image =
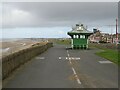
(79, 29)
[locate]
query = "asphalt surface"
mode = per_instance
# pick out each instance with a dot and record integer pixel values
(61, 68)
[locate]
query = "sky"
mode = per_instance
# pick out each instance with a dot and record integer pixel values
(55, 19)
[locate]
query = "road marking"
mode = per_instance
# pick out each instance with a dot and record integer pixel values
(78, 80)
(70, 61)
(77, 58)
(60, 58)
(40, 58)
(73, 58)
(67, 51)
(68, 55)
(104, 62)
(69, 58)
(73, 70)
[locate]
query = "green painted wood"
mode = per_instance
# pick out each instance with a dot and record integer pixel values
(78, 41)
(79, 37)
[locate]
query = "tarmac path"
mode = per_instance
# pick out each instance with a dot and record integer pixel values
(62, 68)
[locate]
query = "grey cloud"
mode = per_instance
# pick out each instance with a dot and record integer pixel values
(66, 13)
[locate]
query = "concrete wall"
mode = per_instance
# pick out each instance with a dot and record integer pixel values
(14, 60)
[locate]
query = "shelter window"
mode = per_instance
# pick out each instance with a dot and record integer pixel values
(83, 36)
(73, 36)
(80, 36)
(77, 36)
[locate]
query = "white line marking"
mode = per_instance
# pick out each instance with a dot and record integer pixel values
(104, 62)
(40, 57)
(77, 58)
(66, 57)
(60, 58)
(78, 80)
(70, 61)
(67, 51)
(73, 70)
(69, 57)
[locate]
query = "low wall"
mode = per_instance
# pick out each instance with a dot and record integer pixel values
(106, 45)
(14, 60)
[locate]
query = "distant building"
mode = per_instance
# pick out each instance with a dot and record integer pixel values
(98, 36)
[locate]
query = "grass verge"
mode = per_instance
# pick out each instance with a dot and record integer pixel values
(111, 55)
(63, 42)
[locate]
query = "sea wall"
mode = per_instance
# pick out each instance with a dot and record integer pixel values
(14, 60)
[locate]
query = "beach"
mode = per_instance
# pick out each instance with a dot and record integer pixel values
(13, 45)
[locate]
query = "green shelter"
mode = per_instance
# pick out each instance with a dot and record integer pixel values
(79, 37)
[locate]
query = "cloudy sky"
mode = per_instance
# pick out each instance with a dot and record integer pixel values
(55, 19)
